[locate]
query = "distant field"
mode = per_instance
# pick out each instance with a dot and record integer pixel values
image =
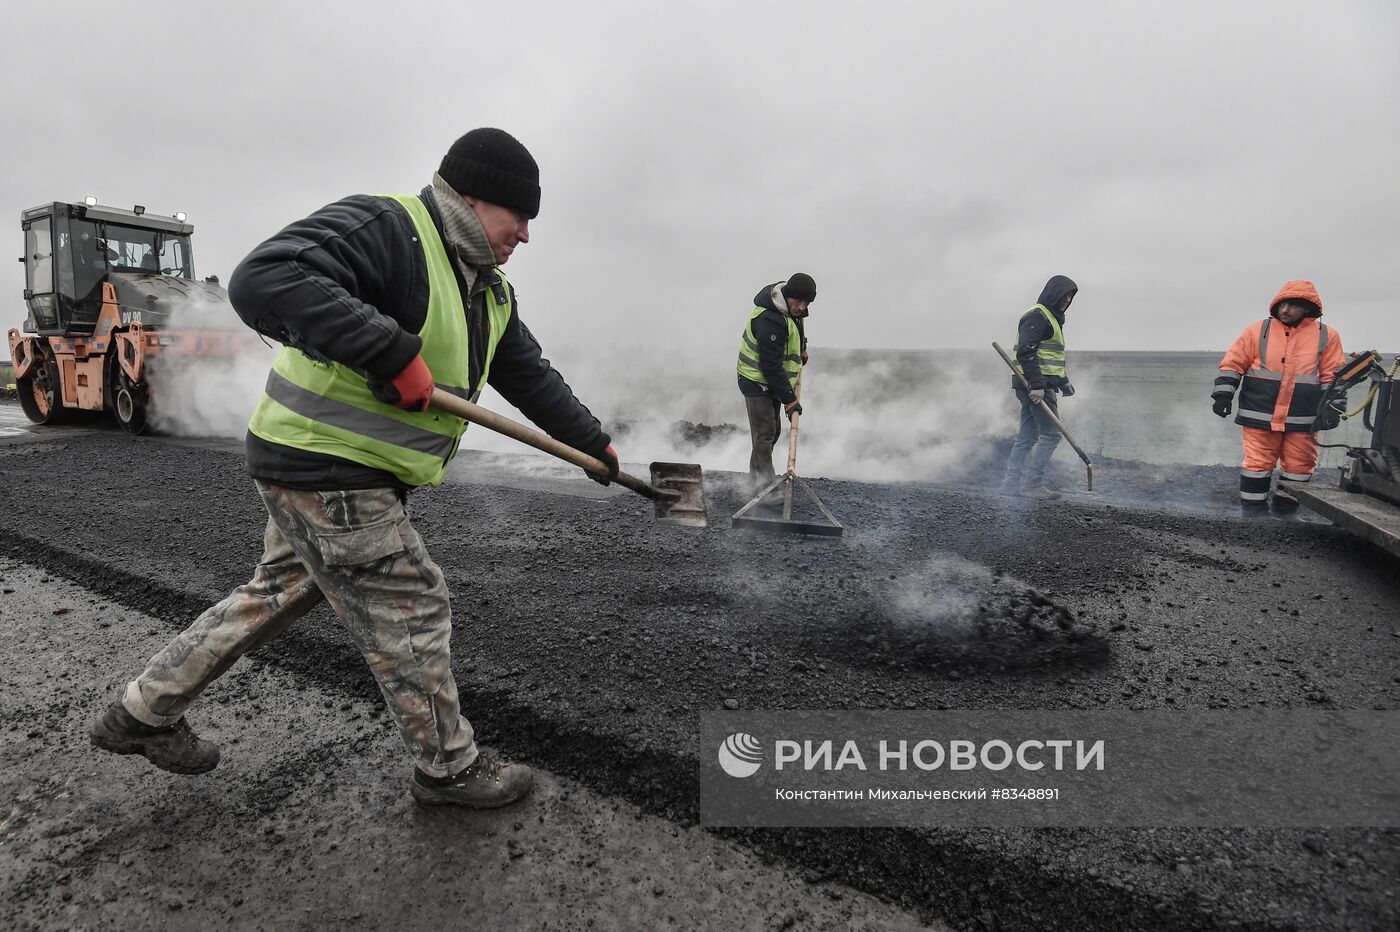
(7, 375)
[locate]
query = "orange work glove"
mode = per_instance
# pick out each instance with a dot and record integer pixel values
(411, 389)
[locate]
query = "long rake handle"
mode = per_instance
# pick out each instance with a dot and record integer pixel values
(792, 450)
(451, 404)
(792, 432)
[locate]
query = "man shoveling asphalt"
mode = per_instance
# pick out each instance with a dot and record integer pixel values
(376, 299)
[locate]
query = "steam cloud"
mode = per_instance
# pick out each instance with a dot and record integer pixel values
(870, 415)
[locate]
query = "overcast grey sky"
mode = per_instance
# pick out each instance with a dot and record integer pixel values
(929, 163)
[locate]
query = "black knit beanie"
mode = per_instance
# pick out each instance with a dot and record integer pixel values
(800, 287)
(492, 164)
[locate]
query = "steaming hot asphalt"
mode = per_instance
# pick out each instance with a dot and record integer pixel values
(588, 639)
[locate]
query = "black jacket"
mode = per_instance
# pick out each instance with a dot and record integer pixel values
(770, 333)
(1034, 328)
(349, 284)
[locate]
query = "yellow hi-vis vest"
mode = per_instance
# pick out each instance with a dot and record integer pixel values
(748, 351)
(1051, 353)
(330, 409)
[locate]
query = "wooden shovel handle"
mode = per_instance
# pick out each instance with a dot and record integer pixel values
(451, 404)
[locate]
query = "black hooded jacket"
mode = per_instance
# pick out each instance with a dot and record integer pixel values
(770, 333)
(1034, 328)
(350, 284)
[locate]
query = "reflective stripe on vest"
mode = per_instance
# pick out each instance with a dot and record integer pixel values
(1050, 353)
(329, 409)
(748, 351)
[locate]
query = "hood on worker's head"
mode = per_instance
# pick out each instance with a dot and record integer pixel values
(771, 297)
(1298, 290)
(1055, 291)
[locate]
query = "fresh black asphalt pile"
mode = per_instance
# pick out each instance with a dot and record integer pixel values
(589, 639)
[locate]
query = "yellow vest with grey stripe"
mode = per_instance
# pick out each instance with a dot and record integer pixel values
(1051, 353)
(748, 351)
(330, 409)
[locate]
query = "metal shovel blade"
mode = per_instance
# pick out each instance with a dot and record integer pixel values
(685, 479)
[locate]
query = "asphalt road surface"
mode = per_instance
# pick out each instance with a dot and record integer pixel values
(589, 639)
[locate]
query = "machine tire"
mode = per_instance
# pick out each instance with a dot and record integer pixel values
(39, 394)
(130, 401)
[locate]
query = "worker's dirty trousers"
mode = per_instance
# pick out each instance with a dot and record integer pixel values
(1035, 442)
(357, 550)
(765, 426)
(1295, 451)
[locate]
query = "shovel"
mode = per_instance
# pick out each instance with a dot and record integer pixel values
(675, 488)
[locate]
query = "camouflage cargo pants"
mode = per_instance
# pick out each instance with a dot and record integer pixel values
(357, 550)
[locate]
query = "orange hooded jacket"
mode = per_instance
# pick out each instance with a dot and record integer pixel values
(1282, 371)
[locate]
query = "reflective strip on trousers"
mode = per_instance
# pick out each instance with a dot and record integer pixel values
(348, 417)
(1295, 476)
(1254, 484)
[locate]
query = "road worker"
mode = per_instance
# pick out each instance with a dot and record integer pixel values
(1281, 366)
(1040, 357)
(772, 352)
(378, 300)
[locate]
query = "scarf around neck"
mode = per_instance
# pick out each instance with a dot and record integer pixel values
(466, 240)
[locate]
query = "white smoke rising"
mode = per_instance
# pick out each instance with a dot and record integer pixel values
(209, 395)
(902, 421)
(869, 415)
(879, 416)
(934, 599)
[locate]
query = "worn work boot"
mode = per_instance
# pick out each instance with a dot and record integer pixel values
(1042, 493)
(1284, 507)
(175, 748)
(488, 783)
(773, 501)
(1253, 509)
(1011, 487)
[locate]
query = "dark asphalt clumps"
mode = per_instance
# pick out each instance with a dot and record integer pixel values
(954, 618)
